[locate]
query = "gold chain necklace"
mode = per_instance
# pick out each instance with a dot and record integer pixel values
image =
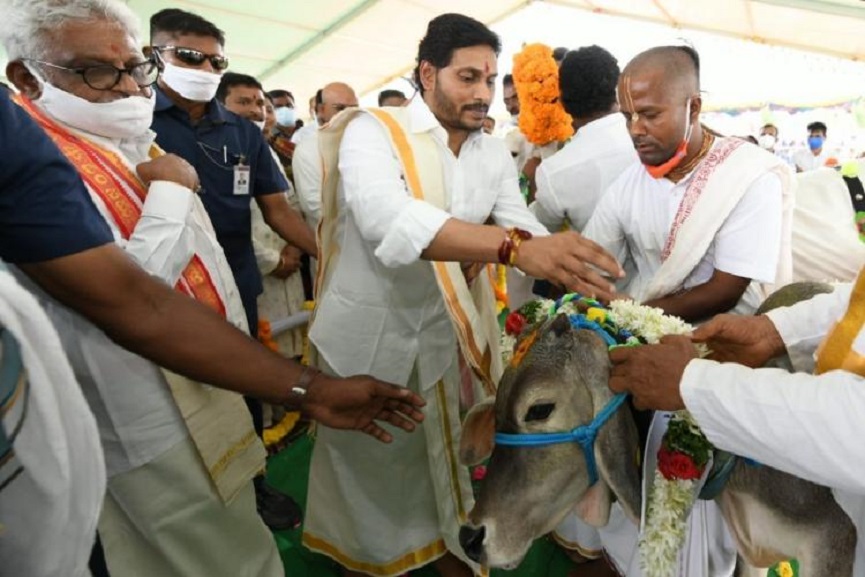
(683, 170)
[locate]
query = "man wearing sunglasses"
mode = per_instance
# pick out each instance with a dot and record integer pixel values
(233, 160)
(179, 499)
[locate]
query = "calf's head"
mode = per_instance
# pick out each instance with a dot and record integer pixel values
(558, 382)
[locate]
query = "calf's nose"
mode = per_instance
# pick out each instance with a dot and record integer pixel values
(472, 541)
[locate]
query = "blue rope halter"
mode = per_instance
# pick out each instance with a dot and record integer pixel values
(585, 435)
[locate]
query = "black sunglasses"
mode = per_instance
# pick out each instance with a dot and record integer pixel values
(106, 76)
(195, 57)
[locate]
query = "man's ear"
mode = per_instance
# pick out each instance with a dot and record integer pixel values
(479, 428)
(24, 80)
(427, 75)
(696, 107)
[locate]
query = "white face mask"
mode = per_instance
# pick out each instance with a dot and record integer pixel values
(195, 85)
(124, 118)
(766, 141)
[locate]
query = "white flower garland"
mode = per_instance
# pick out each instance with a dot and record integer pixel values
(670, 500)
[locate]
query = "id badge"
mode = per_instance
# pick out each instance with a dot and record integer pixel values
(241, 180)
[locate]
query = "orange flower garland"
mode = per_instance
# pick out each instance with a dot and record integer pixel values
(536, 77)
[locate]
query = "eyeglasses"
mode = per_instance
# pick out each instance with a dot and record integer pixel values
(106, 77)
(195, 57)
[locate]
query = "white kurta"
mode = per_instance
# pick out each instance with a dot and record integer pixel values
(806, 160)
(634, 218)
(749, 412)
(384, 509)
(281, 298)
(49, 508)
(570, 183)
(306, 168)
(137, 416)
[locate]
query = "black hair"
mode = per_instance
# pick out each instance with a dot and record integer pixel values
(179, 22)
(587, 81)
(319, 97)
(231, 79)
(508, 80)
(817, 126)
(769, 125)
(279, 93)
(559, 53)
(390, 93)
(450, 32)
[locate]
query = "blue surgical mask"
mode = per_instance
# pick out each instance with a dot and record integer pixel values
(815, 142)
(285, 116)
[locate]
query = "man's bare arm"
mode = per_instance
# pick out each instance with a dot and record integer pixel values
(717, 295)
(565, 258)
(149, 318)
(287, 222)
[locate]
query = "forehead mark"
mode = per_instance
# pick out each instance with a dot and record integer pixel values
(630, 99)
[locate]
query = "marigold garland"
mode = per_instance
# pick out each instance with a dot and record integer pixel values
(274, 435)
(536, 78)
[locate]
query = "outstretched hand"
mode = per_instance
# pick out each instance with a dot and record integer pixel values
(360, 403)
(569, 259)
(749, 341)
(652, 373)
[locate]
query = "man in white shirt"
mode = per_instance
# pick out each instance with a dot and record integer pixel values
(178, 454)
(571, 182)
(816, 155)
(698, 224)
(381, 308)
(306, 164)
(676, 202)
(809, 425)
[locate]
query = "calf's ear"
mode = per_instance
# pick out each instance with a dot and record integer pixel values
(479, 428)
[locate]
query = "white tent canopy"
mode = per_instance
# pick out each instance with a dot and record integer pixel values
(757, 45)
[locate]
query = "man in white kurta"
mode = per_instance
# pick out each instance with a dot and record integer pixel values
(380, 310)
(804, 424)
(383, 315)
(712, 223)
(143, 430)
(570, 183)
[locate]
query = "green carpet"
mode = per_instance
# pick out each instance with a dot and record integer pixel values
(288, 471)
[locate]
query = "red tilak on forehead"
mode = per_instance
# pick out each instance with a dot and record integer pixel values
(486, 67)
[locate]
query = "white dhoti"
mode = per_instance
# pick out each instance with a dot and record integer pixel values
(166, 519)
(386, 509)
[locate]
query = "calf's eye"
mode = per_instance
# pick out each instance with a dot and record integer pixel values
(539, 412)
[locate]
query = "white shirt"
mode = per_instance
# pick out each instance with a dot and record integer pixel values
(634, 217)
(134, 408)
(805, 160)
(305, 131)
(382, 310)
(809, 426)
(306, 167)
(48, 510)
(571, 182)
